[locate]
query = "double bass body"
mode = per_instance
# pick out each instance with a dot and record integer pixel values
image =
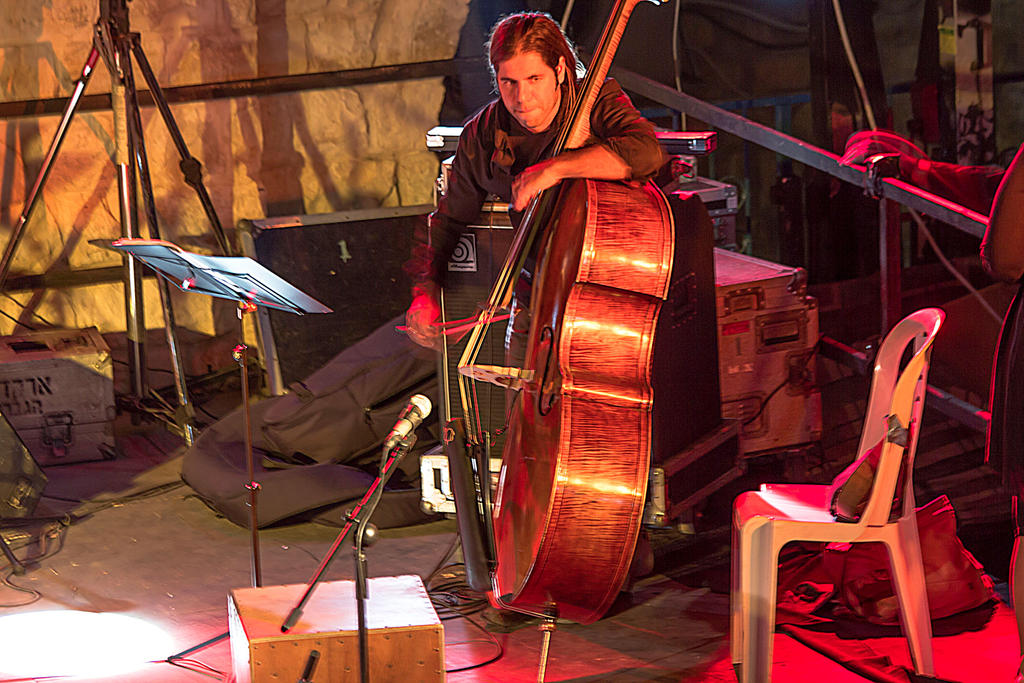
(574, 474)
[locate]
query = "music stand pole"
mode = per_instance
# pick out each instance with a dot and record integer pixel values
(241, 357)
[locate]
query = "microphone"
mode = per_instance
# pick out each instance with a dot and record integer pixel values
(409, 419)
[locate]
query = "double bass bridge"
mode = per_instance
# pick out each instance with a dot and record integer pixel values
(508, 378)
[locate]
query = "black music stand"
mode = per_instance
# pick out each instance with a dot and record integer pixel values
(239, 279)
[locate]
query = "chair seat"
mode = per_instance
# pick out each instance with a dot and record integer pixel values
(806, 502)
(800, 512)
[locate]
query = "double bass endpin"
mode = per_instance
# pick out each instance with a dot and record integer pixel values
(547, 627)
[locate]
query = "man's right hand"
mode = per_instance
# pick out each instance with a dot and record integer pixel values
(422, 321)
(531, 182)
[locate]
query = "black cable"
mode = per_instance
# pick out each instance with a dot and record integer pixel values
(23, 307)
(456, 596)
(183, 655)
(452, 597)
(163, 370)
(195, 666)
(309, 552)
(500, 650)
(223, 375)
(811, 353)
(207, 412)
(764, 402)
(16, 321)
(444, 558)
(101, 504)
(29, 521)
(36, 595)
(151, 492)
(181, 659)
(77, 501)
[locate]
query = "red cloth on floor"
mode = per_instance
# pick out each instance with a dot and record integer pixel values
(854, 579)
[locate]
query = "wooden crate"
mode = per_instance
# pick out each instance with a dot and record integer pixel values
(406, 641)
(57, 391)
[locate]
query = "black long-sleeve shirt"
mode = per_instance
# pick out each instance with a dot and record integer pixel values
(494, 148)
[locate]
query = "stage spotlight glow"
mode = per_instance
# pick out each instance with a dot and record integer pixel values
(68, 643)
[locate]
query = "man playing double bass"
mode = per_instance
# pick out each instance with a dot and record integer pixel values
(502, 151)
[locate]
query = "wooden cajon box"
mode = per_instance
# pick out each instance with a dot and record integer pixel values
(406, 641)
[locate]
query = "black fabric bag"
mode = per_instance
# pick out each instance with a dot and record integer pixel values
(318, 448)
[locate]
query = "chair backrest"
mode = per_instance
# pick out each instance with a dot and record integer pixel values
(894, 411)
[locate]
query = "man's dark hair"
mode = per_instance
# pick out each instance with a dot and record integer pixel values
(531, 32)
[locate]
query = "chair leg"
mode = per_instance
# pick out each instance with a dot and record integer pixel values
(736, 607)
(912, 592)
(758, 585)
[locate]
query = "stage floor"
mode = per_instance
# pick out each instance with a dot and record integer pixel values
(168, 559)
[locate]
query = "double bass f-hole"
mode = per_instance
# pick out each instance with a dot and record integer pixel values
(547, 394)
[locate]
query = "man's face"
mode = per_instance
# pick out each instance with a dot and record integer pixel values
(529, 89)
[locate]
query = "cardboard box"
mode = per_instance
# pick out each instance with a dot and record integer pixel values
(57, 391)
(767, 332)
(405, 643)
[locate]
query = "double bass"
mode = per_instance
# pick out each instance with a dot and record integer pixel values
(570, 496)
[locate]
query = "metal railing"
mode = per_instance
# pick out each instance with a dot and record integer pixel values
(890, 192)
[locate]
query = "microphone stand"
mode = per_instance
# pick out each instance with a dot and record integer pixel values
(239, 353)
(307, 672)
(365, 533)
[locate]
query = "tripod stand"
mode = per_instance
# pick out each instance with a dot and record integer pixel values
(117, 44)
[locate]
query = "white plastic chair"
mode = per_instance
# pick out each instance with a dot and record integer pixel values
(766, 520)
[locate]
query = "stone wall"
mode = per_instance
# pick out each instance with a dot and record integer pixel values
(309, 152)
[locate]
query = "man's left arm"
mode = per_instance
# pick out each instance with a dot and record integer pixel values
(619, 127)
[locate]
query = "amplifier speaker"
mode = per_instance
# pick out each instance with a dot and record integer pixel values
(21, 480)
(685, 364)
(352, 262)
(473, 268)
